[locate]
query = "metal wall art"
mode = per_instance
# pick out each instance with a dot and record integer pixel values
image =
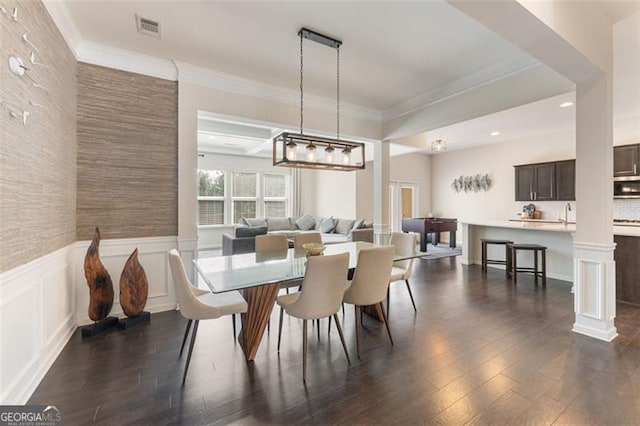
(475, 183)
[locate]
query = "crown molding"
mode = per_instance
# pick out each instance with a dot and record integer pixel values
(481, 77)
(126, 60)
(122, 59)
(232, 83)
(62, 18)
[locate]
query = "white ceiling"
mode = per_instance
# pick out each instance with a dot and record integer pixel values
(394, 53)
(392, 50)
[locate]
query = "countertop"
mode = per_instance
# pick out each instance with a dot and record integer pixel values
(534, 225)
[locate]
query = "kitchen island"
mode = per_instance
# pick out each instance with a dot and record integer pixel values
(556, 236)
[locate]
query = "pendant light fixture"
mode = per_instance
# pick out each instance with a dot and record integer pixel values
(286, 144)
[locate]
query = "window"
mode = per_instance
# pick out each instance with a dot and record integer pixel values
(211, 201)
(225, 197)
(275, 195)
(245, 195)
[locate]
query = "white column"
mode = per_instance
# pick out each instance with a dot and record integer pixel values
(576, 40)
(381, 164)
(594, 267)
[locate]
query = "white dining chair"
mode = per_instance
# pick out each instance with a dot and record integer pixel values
(271, 243)
(196, 304)
(405, 245)
(370, 283)
(304, 238)
(323, 287)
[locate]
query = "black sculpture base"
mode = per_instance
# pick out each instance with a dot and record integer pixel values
(99, 326)
(143, 318)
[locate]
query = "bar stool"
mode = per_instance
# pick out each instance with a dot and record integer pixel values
(484, 242)
(535, 248)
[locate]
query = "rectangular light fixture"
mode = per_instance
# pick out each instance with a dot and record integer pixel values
(315, 152)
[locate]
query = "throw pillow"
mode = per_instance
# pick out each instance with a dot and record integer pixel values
(359, 224)
(306, 222)
(253, 222)
(327, 225)
(250, 231)
(278, 224)
(344, 226)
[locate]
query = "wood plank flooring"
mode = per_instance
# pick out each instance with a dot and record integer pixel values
(479, 351)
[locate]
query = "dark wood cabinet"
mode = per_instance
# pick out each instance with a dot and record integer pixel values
(566, 180)
(536, 182)
(524, 183)
(627, 269)
(625, 160)
(546, 181)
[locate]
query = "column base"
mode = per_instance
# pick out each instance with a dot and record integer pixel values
(595, 290)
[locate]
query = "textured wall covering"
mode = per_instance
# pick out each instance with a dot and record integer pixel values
(127, 154)
(37, 160)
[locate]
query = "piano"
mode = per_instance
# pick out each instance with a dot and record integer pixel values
(431, 225)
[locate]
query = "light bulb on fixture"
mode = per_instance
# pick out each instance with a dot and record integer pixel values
(328, 154)
(346, 156)
(292, 151)
(311, 153)
(439, 145)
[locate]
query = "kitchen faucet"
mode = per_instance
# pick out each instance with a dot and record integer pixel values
(567, 209)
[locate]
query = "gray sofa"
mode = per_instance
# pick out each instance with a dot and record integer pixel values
(331, 230)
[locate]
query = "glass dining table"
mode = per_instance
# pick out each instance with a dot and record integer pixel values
(260, 276)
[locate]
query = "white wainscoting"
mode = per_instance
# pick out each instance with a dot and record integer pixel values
(37, 318)
(42, 303)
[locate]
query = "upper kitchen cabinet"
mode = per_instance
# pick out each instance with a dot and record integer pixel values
(566, 180)
(625, 160)
(535, 182)
(546, 181)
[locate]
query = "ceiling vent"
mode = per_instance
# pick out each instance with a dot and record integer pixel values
(147, 27)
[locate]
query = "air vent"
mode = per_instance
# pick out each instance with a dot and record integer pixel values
(148, 27)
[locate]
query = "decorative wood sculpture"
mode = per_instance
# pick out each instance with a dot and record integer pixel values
(134, 286)
(98, 280)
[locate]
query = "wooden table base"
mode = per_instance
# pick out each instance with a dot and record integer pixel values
(260, 301)
(372, 312)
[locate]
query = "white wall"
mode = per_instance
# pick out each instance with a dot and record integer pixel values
(335, 194)
(409, 168)
(497, 160)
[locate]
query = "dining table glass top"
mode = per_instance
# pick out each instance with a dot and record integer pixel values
(240, 271)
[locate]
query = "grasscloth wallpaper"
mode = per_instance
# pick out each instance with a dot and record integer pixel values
(127, 154)
(37, 160)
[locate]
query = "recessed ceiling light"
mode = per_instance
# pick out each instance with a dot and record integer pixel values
(495, 133)
(566, 104)
(211, 137)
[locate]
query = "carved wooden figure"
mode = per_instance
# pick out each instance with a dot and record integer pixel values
(134, 286)
(98, 280)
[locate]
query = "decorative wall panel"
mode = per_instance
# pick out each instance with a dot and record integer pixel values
(37, 157)
(127, 154)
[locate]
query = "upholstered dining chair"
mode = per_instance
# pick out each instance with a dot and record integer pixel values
(323, 286)
(196, 305)
(271, 243)
(405, 244)
(304, 238)
(370, 283)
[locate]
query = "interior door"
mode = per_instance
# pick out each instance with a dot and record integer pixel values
(406, 195)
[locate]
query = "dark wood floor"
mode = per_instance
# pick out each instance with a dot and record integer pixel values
(479, 351)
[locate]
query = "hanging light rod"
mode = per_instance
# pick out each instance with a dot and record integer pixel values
(319, 38)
